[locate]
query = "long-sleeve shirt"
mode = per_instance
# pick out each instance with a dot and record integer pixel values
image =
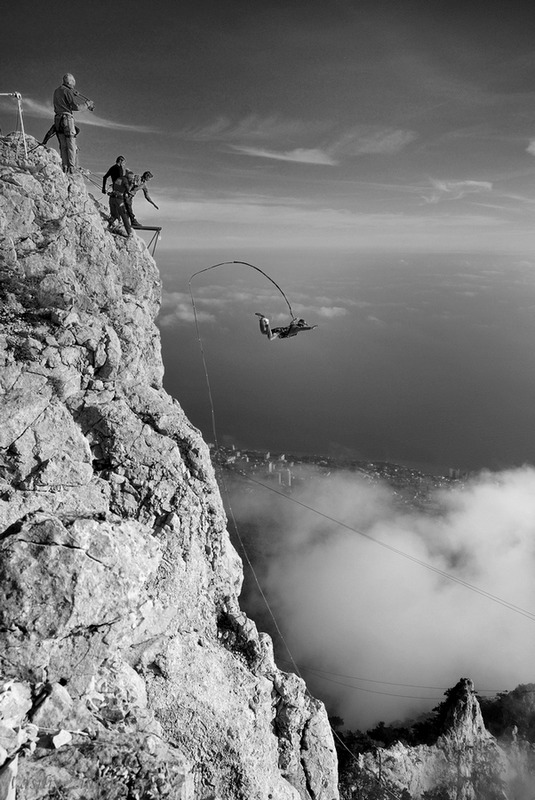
(114, 172)
(65, 102)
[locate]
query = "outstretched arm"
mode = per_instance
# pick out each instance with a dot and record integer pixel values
(147, 197)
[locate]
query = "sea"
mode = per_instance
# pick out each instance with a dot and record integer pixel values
(427, 360)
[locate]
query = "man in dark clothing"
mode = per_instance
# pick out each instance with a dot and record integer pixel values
(117, 170)
(121, 186)
(65, 103)
(49, 134)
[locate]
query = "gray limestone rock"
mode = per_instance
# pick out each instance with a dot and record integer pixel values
(128, 668)
(465, 763)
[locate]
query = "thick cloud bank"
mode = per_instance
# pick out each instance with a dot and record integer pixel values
(378, 626)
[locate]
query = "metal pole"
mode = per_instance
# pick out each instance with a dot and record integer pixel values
(19, 104)
(19, 101)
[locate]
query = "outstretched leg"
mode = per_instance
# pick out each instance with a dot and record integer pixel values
(264, 327)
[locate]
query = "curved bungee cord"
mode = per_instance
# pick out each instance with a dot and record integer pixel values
(245, 264)
(231, 515)
(197, 329)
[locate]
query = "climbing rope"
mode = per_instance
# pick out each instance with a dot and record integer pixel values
(234, 521)
(198, 332)
(245, 264)
(494, 598)
(90, 176)
(216, 443)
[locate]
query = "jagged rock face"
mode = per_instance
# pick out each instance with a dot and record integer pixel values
(466, 763)
(128, 668)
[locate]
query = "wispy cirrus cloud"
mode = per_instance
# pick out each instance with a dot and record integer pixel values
(358, 141)
(368, 140)
(255, 128)
(318, 142)
(300, 155)
(455, 190)
(35, 108)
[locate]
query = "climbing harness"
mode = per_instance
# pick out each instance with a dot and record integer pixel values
(96, 180)
(65, 125)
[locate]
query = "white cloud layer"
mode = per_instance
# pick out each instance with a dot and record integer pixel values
(215, 303)
(177, 308)
(353, 608)
(288, 212)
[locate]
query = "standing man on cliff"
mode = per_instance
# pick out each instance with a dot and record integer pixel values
(117, 170)
(136, 184)
(66, 101)
(118, 211)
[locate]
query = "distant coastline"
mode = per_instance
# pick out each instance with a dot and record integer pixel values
(290, 471)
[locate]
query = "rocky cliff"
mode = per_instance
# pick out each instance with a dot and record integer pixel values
(127, 667)
(465, 763)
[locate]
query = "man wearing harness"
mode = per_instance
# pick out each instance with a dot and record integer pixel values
(117, 170)
(65, 103)
(137, 184)
(295, 326)
(121, 186)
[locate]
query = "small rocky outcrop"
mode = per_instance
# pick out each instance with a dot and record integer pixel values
(127, 668)
(465, 763)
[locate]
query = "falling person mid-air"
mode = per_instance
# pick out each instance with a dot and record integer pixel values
(295, 326)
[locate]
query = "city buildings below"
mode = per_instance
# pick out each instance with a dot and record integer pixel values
(289, 472)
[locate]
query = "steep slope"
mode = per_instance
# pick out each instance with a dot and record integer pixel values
(128, 668)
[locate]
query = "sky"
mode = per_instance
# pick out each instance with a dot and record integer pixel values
(370, 125)
(377, 160)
